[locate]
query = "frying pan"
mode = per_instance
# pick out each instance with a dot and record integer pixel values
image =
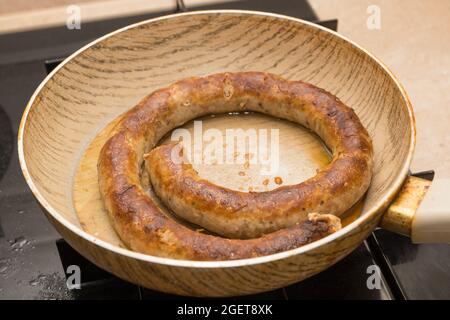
(66, 122)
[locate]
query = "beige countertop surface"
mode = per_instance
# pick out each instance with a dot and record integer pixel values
(413, 41)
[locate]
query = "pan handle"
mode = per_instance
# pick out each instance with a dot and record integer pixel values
(421, 211)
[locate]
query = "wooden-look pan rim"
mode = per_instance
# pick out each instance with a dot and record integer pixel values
(380, 205)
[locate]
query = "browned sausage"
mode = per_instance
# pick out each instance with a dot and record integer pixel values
(240, 215)
(142, 225)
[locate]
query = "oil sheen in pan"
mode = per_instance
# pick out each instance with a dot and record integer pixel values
(300, 154)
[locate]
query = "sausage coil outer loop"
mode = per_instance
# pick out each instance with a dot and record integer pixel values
(142, 224)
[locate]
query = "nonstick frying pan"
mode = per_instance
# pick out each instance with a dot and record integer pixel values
(66, 122)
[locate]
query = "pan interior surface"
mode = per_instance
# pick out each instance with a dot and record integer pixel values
(110, 76)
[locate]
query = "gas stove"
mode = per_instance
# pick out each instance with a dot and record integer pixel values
(34, 259)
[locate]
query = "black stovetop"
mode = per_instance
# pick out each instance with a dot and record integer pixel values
(33, 258)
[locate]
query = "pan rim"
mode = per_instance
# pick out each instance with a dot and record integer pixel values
(371, 213)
